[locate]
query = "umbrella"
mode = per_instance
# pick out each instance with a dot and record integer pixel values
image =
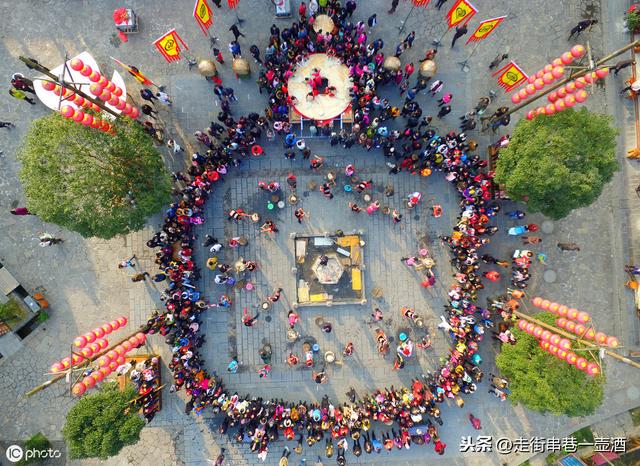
(323, 23)
(207, 68)
(428, 69)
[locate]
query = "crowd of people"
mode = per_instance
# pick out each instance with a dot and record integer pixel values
(415, 148)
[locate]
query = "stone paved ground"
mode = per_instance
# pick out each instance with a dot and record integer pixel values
(84, 286)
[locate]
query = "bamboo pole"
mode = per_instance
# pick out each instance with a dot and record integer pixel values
(571, 336)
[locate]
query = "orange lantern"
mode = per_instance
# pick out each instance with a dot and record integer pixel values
(601, 338)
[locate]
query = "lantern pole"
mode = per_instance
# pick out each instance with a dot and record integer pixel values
(34, 65)
(404, 23)
(464, 64)
(86, 362)
(577, 338)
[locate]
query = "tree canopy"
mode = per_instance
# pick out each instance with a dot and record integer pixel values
(94, 183)
(544, 383)
(101, 423)
(560, 162)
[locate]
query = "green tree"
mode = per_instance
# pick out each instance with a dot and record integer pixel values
(560, 162)
(544, 383)
(95, 183)
(101, 423)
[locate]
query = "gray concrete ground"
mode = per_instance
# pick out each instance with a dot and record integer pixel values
(85, 287)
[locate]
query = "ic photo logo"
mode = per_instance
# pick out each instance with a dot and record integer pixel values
(15, 453)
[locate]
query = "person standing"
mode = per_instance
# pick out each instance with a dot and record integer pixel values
(460, 31)
(47, 239)
(300, 214)
(149, 111)
(236, 32)
(20, 211)
(350, 7)
(255, 53)
(217, 3)
(247, 320)
(174, 146)
(7, 124)
(372, 21)
(445, 100)
(302, 11)
(18, 94)
(164, 98)
(275, 296)
(218, 56)
(444, 111)
(394, 5)
(496, 61)
(235, 50)
(313, 7)
(21, 83)
(440, 3)
(147, 95)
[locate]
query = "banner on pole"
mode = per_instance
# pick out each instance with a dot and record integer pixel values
(461, 11)
(233, 3)
(169, 45)
(511, 76)
(485, 28)
(141, 78)
(422, 3)
(203, 15)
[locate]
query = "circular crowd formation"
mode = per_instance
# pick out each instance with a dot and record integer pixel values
(402, 416)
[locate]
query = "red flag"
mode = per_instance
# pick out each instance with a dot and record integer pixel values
(203, 15)
(422, 3)
(485, 28)
(233, 3)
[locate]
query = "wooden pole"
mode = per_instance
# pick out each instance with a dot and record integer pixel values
(84, 363)
(571, 336)
(34, 65)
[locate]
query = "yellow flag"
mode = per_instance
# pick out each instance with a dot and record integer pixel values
(461, 11)
(203, 15)
(485, 28)
(511, 76)
(169, 45)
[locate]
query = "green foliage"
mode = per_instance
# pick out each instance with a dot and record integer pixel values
(635, 416)
(544, 383)
(38, 442)
(11, 313)
(560, 162)
(584, 435)
(101, 423)
(85, 180)
(632, 20)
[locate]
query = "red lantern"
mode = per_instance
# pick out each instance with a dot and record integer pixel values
(66, 362)
(135, 113)
(95, 108)
(571, 357)
(562, 354)
(583, 317)
(561, 322)
(569, 101)
(78, 116)
(76, 359)
(113, 101)
(581, 96)
(95, 347)
(538, 83)
(565, 343)
(112, 355)
(105, 128)
(552, 97)
(529, 328)
(571, 326)
(97, 376)
(581, 83)
(577, 51)
(531, 115)
(79, 389)
(515, 98)
(48, 85)
(602, 72)
(550, 109)
(96, 123)
(566, 58)
(141, 337)
(562, 93)
(581, 363)
(57, 367)
(107, 328)
(553, 350)
(95, 89)
(570, 87)
(89, 382)
(559, 105)
(537, 332)
(546, 335)
(588, 78)
(103, 361)
(86, 70)
(562, 310)
(105, 95)
(523, 94)
(547, 68)
(86, 352)
(555, 339)
(113, 365)
(127, 345)
(98, 332)
(106, 370)
(115, 325)
(118, 92)
(522, 324)
(79, 100)
(545, 345)
(593, 369)
(121, 360)
(102, 343)
(612, 342)
(127, 109)
(122, 320)
(103, 81)
(537, 301)
(87, 120)
(548, 78)
(557, 72)
(94, 77)
(557, 62)
(539, 74)
(110, 86)
(120, 350)
(68, 111)
(530, 89)
(76, 64)
(134, 342)
(590, 335)
(545, 304)
(572, 313)
(553, 307)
